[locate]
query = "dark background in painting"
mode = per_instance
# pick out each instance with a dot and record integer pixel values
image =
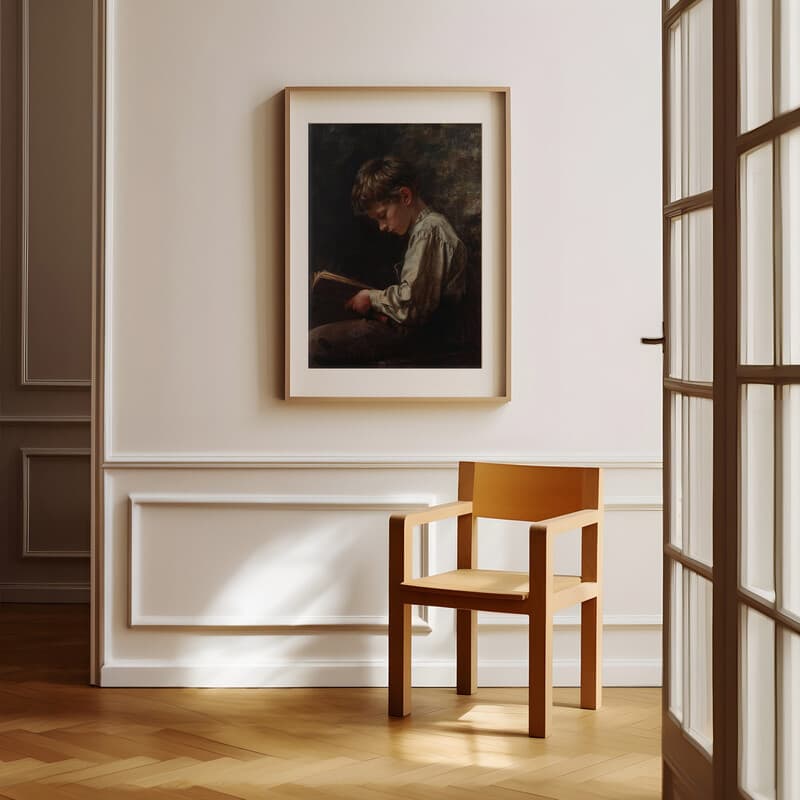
(447, 158)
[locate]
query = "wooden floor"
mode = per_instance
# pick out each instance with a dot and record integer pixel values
(61, 739)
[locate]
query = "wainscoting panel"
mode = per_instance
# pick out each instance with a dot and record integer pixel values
(44, 468)
(55, 331)
(55, 502)
(260, 561)
(275, 575)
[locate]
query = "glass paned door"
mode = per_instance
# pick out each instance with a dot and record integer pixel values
(767, 594)
(689, 223)
(731, 194)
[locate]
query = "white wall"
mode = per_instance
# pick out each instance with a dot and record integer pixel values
(195, 329)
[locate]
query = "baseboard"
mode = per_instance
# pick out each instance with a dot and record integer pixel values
(616, 672)
(44, 593)
(566, 672)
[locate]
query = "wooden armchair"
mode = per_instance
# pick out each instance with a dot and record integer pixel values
(554, 500)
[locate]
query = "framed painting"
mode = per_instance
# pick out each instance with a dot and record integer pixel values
(397, 243)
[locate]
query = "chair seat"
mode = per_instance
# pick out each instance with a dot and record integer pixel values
(499, 585)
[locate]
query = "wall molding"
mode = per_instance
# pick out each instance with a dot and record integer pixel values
(209, 461)
(343, 673)
(353, 622)
(14, 419)
(289, 501)
(25, 379)
(420, 623)
(489, 620)
(27, 454)
(420, 619)
(644, 503)
(44, 592)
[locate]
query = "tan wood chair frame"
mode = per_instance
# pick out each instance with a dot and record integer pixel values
(504, 491)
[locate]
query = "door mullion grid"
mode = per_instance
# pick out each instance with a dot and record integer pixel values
(768, 609)
(690, 563)
(690, 388)
(777, 375)
(727, 471)
(768, 131)
(671, 15)
(692, 202)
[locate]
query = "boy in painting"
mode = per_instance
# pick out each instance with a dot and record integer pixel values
(418, 311)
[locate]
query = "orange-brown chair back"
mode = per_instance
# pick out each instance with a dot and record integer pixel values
(528, 493)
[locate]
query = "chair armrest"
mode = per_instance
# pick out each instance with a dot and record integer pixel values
(432, 514)
(567, 522)
(401, 528)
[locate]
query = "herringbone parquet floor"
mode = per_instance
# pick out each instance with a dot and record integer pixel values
(63, 740)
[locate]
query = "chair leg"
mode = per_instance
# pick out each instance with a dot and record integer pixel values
(399, 659)
(466, 652)
(591, 653)
(540, 673)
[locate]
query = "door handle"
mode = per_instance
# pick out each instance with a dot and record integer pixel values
(654, 339)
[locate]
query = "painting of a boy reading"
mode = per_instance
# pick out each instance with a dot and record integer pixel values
(395, 276)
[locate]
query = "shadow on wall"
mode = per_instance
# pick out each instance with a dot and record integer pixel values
(307, 568)
(269, 243)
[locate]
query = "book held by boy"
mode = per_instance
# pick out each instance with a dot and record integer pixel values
(328, 294)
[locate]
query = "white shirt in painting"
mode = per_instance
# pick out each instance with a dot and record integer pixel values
(433, 272)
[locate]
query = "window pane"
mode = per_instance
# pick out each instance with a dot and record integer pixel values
(699, 104)
(790, 240)
(755, 63)
(676, 114)
(678, 433)
(791, 500)
(676, 641)
(690, 102)
(757, 737)
(758, 487)
(701, 295)
(700, 721)
(700, 467)
(789, 721)
(692, 296)
(756, 257)
(790, 57)
(676, 260)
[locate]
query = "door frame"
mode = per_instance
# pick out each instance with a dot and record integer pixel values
(97, 572)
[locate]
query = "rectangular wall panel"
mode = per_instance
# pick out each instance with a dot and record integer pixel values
(55, 503)
(44, 469)
(244, 560)
(56, 191)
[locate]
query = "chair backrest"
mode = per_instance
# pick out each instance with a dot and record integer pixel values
(528, 493)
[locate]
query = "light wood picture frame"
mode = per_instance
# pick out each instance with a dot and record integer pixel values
(456, 142)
